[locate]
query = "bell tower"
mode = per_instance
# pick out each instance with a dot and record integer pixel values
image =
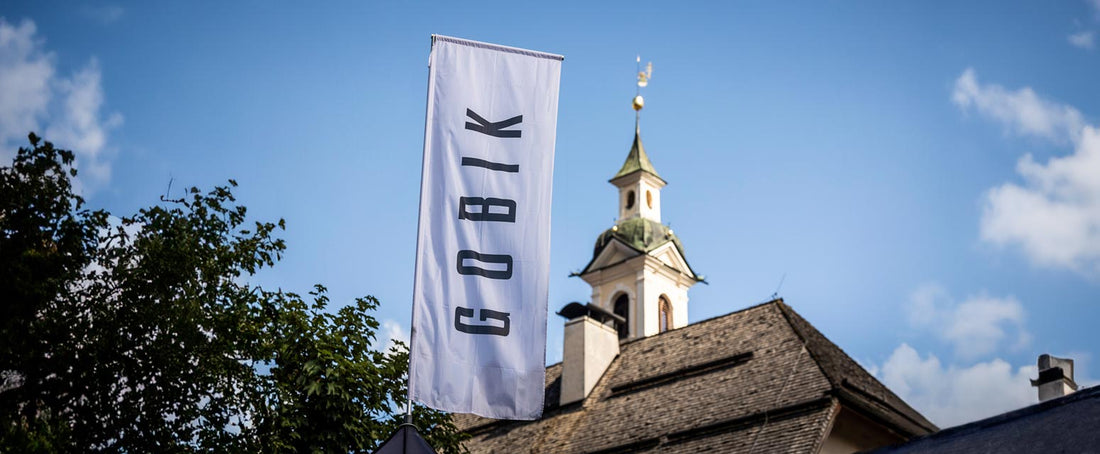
(638, 269)
(638, 183)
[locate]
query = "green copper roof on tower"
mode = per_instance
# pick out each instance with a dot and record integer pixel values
(637, 160)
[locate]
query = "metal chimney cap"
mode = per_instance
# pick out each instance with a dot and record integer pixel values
(575, 309)
(1047, 361)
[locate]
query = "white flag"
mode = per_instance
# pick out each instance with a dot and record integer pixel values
(483, 245)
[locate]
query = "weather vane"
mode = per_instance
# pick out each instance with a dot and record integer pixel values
(643, 80)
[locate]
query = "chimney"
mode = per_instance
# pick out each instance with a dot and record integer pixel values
(591, 343)
(1055, 377)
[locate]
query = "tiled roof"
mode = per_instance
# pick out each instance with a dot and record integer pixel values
(854, 384)
(1066, 424)
(760, 379)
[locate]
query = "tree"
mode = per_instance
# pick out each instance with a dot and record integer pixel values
(142, 333)
(326, 376)
(47, 238)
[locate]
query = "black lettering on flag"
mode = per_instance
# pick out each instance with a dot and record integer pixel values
(482, 328)
(475, 162)
(474, 270)
(486, 205)
(493, 129)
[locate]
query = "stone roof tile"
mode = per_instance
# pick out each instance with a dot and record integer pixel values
(1065, 424)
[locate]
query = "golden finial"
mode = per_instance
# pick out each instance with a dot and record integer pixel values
(643, 80)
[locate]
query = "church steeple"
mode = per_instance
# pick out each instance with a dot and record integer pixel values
(639, 185)
(637, 160)
(638, 270)
(637, 180)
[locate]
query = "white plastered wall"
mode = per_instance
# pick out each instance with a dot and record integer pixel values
(643, 279)
(606, 293)
(640, 183)
(657, 281)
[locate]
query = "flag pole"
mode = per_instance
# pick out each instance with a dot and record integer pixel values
(416, 263)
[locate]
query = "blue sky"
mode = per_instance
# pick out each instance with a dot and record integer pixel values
(926, 175)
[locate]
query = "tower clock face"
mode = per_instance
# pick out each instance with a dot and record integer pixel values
(630, 200)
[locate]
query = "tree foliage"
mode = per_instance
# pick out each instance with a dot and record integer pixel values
(143, 333)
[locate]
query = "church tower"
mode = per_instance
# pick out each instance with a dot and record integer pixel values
(638, 269)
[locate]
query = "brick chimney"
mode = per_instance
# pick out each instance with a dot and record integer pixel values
(1055, 377)
(591, 343)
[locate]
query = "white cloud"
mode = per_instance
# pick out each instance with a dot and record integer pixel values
(64, 110)
(1084, 40)
(964, 389)
(25, 75)
(78, 124)
(389, 332)
(1055, 214)
(952, 395)
(975, 327)
(980, 324)
(1021, 111)
(926, 303)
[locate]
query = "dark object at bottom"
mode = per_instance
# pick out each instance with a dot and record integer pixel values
(405, 440)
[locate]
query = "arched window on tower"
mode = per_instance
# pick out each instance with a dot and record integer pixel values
(664, 314)
(622, 309)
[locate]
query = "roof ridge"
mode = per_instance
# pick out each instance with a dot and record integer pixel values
(841, 378)
(1092, 392)
(1015, 417)
(787, 312)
